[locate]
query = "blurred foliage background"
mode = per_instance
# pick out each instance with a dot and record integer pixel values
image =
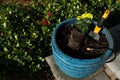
(25, 32)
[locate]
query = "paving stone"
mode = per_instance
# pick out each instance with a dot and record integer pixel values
(105, 66)
(113, 77)
(99, 71)
(114, 66)
(59, 75)
(108, 72)
(89, 78)
(102, 76)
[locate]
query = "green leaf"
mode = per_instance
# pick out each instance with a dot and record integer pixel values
(5, 49)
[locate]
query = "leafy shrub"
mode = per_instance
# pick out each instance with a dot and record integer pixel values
(25, 31)
(24, 40)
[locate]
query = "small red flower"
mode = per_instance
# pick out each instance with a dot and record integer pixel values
(44, 22)
(49, 13)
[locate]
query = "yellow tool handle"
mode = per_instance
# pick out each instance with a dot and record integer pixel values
(97, 29)
(105, 15)
(99, 26)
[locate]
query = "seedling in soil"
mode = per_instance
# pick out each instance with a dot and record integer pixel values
(79, 34)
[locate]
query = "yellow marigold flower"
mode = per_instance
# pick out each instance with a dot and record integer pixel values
(87, 15)
(79, 17)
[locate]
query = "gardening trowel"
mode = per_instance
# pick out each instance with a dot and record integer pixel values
(95, 34)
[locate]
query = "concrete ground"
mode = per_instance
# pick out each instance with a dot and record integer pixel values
(104, 73)
(114, 66)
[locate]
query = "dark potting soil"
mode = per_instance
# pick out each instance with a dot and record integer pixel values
(74, 43)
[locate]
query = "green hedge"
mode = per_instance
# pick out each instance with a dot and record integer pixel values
(25, 31)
